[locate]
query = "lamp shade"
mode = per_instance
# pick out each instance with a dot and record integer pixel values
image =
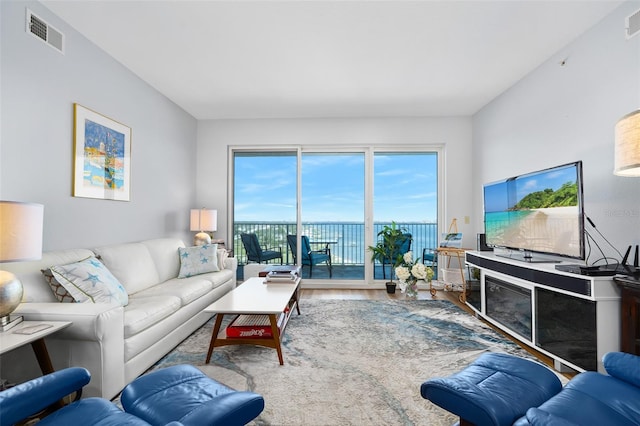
(204, 220)
(627, 145)
(21, 227)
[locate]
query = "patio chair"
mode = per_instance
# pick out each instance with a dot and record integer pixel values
(309, 257)
(255, 252)
(430, 258)
(403, 245)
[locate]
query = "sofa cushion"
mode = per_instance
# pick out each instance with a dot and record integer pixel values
(58, 289)
(90, 281)
(186, 289)
(218, 278)
(131, 263)
(164, 252)
(29, 273)
(143, 312)
(198, 260)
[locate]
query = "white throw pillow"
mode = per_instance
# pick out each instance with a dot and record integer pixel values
(223, 254)
(198, 260)
(89, 281)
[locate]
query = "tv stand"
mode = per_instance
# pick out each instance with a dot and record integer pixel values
(523, 256)
(572, 318)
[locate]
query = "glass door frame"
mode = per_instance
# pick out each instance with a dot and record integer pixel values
(369, 151)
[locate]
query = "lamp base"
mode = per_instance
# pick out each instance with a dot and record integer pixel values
(201, 239)
(7, 323)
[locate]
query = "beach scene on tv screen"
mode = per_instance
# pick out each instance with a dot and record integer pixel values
(538, 212)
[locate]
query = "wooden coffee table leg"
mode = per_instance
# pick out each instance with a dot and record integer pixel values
(214, 336)
(276, 336)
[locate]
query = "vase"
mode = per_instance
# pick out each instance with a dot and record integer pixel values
(411, 291)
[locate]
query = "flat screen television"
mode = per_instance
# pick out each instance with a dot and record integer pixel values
(539, 212)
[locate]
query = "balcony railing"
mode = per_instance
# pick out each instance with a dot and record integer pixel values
(347, 238)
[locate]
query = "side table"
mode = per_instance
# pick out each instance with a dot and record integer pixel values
(13, 339)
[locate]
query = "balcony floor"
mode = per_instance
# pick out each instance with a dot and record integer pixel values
(340, 272)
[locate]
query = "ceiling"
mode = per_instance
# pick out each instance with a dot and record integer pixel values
(288, 59)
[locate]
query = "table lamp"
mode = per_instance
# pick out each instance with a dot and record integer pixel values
(203, 221)
(20, 240)
(627, 145)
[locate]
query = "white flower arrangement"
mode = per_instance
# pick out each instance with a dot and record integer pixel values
(409, 272)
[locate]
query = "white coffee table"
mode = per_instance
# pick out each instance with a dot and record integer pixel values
(255, 297)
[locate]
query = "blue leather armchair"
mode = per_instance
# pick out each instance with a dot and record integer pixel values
(500, 389)
(176, 396)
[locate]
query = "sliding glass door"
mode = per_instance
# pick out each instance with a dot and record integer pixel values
(406, 192)
(332, 213)
(264, 201)
(337, 201)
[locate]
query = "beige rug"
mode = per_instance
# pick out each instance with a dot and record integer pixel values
(351, 362)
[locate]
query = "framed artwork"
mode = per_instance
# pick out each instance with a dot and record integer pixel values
(102, 156)
(451, 239)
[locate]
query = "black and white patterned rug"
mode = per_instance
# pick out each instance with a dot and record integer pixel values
(351, 362)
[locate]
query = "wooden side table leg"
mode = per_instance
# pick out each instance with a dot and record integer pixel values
(214, 336)
(276, 336)
(44, 361)
(42, 355)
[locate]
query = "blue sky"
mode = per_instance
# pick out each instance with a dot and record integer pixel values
(500, 196)
(405, 187)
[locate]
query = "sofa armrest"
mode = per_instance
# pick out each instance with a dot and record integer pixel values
(231, 263)
(94, 340)
(90, 321)
(623, 366)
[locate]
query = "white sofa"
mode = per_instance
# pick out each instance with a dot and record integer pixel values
(115, 343)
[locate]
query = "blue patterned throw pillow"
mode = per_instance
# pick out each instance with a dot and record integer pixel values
(198, 260)
(89, 281)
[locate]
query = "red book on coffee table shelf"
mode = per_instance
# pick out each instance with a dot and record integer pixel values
(251, 326)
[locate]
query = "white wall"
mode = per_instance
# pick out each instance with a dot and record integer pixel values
(38, 88)
(215, 136)
(559, 114)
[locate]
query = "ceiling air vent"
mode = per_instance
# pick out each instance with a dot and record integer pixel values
(39, 28)
(633, 24)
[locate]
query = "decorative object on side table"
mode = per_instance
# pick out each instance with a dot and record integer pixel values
(409, 272)
(203, 221)
(20, 239)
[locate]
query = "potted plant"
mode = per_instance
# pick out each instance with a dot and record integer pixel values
(385, 251)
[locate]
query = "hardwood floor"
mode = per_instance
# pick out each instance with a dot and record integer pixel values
(349, 294)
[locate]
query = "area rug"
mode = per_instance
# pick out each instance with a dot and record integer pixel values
(351, 362)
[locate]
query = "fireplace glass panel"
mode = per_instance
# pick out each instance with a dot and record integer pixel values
(566, 326)
(510, 305)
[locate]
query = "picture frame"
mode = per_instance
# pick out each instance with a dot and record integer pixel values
(451, 240)
(102, 156)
